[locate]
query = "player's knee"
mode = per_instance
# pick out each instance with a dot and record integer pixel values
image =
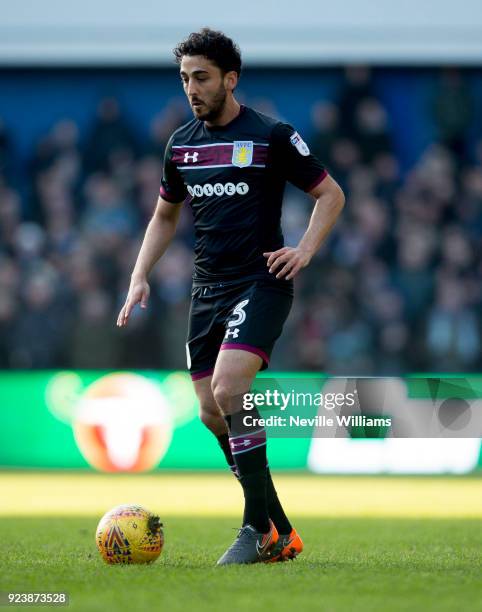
(212, 418)
(226, 395)
(222, 393)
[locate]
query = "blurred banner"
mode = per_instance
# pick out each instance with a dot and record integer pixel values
(274, 32)
(138, 421)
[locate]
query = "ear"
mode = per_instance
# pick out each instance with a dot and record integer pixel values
(231, 80)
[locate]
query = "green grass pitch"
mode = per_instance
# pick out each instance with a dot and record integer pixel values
(351, 562)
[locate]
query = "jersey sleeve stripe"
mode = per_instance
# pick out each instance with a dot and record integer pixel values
(318, 180)
(166, 196)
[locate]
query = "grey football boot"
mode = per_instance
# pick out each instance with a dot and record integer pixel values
(250, 546)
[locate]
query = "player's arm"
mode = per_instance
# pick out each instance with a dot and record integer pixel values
(288, 261)
(159, 233)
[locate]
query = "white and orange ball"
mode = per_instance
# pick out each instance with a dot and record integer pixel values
(129, 534)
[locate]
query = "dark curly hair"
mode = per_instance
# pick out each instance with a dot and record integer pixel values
(213, 45)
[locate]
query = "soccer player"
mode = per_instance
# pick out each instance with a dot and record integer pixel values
(231, 164)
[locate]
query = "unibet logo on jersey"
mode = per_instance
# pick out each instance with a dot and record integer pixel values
(218, 189)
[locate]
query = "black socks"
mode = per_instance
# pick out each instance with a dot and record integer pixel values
(223, 440)
(245, 452)
(275, 509)
(248, 449)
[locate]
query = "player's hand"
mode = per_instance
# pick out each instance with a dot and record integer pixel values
(287, 262)
(139, 291)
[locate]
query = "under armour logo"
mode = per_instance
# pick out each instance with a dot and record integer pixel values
(232, 332)
(242, 443)
(191, 157)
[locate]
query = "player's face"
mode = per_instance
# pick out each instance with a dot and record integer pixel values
(205, 86)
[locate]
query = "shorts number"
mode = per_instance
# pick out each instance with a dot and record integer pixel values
(240, 314)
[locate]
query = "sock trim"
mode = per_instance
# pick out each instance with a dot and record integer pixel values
(252, 433)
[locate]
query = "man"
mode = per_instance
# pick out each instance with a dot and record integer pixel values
(233, 162)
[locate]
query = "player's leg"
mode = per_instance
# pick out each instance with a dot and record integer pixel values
(233, 376)
(203, 342)
(205, 334)
(212, 417)
(289, 544)
(255, 322)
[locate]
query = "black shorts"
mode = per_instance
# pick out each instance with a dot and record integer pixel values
(247, 316)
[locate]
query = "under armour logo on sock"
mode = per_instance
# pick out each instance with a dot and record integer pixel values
(242, 444)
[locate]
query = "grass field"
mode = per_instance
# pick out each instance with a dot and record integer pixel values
(371, 543)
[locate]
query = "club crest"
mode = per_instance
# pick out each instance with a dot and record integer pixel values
(242, 153)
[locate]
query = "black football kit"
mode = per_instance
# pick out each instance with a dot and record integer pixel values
(233, 177)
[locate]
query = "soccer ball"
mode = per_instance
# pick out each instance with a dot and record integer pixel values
(129, 534)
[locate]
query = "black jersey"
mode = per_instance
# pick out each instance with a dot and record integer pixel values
(234, 178)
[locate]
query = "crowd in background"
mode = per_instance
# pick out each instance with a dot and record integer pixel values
(396, 289)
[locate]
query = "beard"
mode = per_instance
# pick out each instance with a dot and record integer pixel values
(214, 108)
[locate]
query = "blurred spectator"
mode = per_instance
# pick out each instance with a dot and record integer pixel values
(344, 157)
(10, 218)
(174, 114)
(356, 87)
(93, 341)
(39, 328)
(414, 274)
(453, 111)
(7, 322)
(110, 136)
(371, 129)
(9, 291)
(453, 329)
(469, 204)
(107, 212)
(387, 177)
(6, 157)
(147, 179)
(325, 119)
